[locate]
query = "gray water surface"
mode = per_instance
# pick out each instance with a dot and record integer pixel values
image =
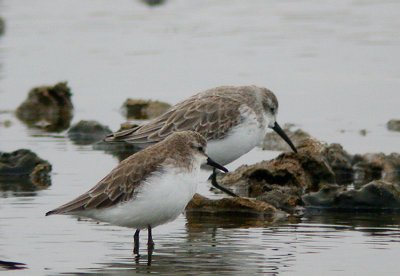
(333, 65)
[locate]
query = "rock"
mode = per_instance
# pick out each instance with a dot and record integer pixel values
(119, 150)
(47, 107)
(272, 141)
(25, 167)
(340, 162)
(393, 125)
(375, 166)
(2, 26)
(307, 170)
(282, 181)
(87, 132)
(154, 2)
(234, 205)
(144, 109)
(5, 123)
(127, 125)
(363, 132)
(375, 195)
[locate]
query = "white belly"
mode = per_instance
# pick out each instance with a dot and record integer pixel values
(162, 199)
(239, 141)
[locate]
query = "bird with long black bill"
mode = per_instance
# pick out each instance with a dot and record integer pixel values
(233, 119)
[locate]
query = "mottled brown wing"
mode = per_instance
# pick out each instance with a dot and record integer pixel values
(211, 116)
(118, 186)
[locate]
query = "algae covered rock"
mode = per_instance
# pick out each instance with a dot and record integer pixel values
(234, 205)
(87, 132)
(144, 109)
(393, 125)
(376, 195)
(272, 141)
(24, 168)
(47, 107)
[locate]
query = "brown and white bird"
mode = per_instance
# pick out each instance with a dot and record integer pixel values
(233, 119)
(149, 188)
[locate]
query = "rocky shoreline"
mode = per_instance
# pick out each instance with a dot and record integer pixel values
(320, 176)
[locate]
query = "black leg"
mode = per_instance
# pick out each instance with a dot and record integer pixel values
(136, 242)
(150, 242)
(150, 246)
(219, 187)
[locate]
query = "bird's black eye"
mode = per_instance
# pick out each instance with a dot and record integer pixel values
(200, 149)
(272, 109)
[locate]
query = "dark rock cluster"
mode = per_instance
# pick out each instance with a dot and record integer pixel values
(320, 176)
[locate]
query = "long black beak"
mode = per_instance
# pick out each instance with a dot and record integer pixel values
(214, 164)
(283, 135)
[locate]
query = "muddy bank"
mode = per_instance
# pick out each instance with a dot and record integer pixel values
(47, 107)
(23, 170)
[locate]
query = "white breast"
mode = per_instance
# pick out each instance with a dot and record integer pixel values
(161, 199)
(240, 140)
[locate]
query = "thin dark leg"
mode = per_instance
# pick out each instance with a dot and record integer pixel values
(150, 245)
(136, 242)
(150, 242)
(219, 187)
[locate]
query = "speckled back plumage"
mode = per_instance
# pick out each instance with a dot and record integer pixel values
(212, 113)
(122, 182)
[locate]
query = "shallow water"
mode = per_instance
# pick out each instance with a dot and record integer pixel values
(334, 67)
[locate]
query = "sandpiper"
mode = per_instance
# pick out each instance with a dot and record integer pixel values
(233, 119)
(149, 188)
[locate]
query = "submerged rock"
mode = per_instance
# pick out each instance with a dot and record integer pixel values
(87, 132)
(234, 205)
(47, 107)
(24, 166)
(144, 109)
(272, 141)
(375, 195)
(393, 125)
